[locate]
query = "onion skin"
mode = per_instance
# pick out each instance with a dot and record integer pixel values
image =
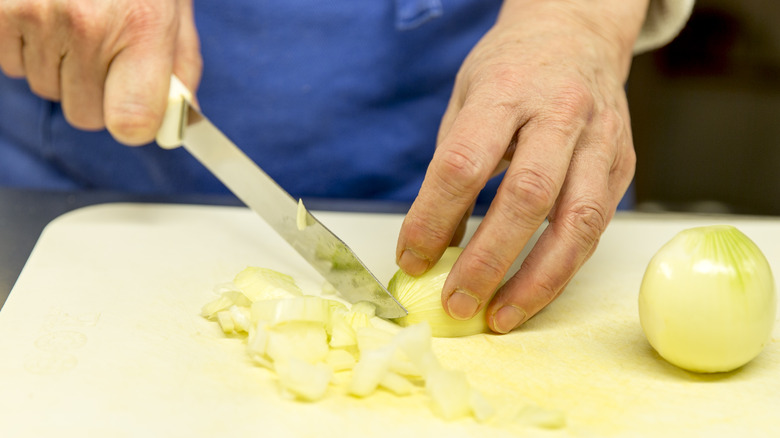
(421, 296)
(707, 302)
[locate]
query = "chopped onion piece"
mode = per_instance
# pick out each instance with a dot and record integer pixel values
(370, 370)
(360, 315)
(340, 360)
(224, 302)
(482, 408)
(225, 320)
(396, 384)
(302, 309)
(257, 344)
(450, 393)
(415, 342)
(302, 340)
(303, 380)
(342, 335)
(266, 284)
(241, 318)
(302, 218)
(371, 338)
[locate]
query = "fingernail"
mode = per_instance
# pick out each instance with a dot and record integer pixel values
(462, 305)
(413, 263)
(507, 318)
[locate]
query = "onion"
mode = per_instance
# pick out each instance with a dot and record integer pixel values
(421, 296)
(707, 301)
(264, 284)
(312, 344)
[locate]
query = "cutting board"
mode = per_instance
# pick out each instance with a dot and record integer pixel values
(101, 337)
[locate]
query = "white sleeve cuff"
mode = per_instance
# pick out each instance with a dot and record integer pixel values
(665, 19)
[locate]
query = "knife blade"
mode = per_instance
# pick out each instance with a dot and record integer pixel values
(185, 125)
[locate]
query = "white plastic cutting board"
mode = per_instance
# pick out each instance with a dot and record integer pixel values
(101, 337)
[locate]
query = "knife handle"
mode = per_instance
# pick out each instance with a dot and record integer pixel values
(169, 136)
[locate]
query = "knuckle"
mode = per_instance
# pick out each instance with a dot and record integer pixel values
(542, 283)
(586, 222)
(612, 124)
(547, 290)
(148, 18)
(83, 21)
(572, 101)
(485, 265)
(33, 12)
(425, 234)
(461, 169)
(529, 194)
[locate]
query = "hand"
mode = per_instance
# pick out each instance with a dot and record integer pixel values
(108, 62)
(541, 96)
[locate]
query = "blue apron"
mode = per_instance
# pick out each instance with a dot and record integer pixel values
(334, 99)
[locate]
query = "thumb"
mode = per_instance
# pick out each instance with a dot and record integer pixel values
(136, 92)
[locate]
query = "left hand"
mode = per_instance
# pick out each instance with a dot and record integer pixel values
(541, 96)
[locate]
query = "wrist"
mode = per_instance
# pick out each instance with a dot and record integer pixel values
(615, 23)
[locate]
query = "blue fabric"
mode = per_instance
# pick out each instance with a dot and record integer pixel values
(334, 99)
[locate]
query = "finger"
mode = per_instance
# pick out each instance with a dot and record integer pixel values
(42, 52)
(83, 73)
(11, 62)
(524, 198)
(460, 167)
(454, 106)
(136, 89)
(586, 206)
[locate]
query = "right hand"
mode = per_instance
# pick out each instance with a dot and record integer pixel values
(109, 62)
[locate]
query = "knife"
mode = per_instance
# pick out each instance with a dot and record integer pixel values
(184, 125)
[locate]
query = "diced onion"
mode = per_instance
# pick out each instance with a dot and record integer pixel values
(266, 284)
(299, 339)
(311, 343)
(225, 301)
(302, 379)
(450, 393)
(340, 360)
(396, 383)
(310, 309)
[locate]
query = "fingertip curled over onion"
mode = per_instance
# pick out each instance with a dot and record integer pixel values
(421, 296)
(707, 302)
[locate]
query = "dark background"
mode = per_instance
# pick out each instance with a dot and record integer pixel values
(706, 113)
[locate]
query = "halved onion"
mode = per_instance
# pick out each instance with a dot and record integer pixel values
(421, 296)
